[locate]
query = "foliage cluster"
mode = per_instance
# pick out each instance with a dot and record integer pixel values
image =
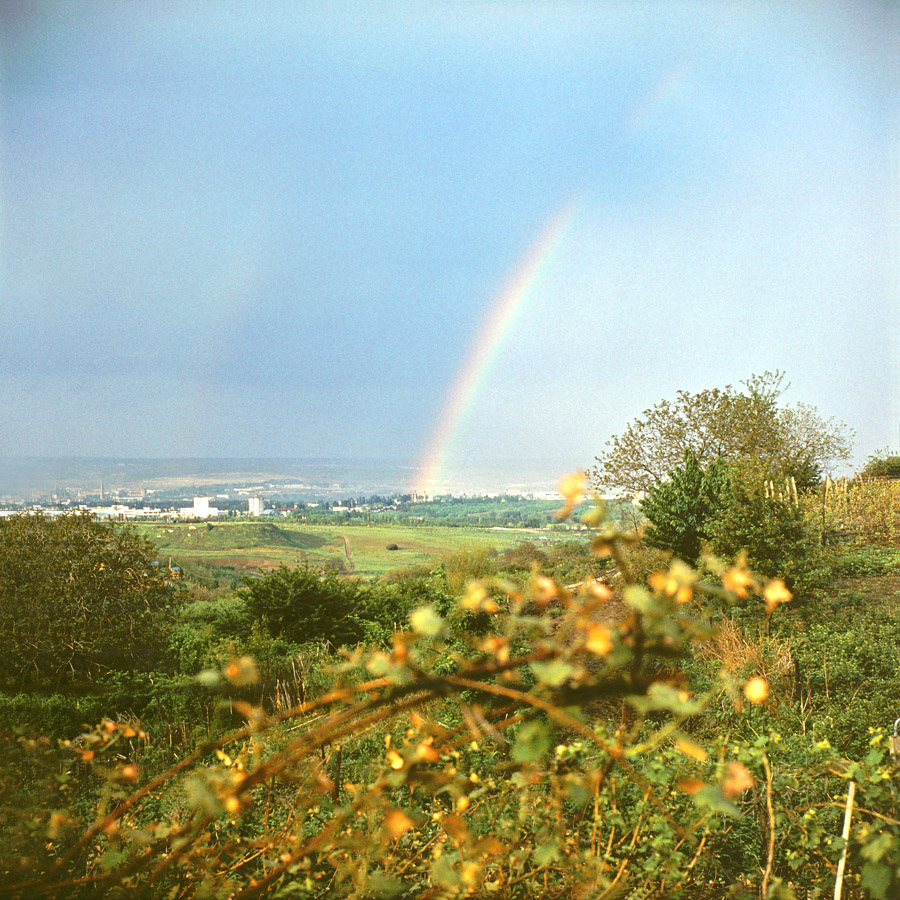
(581, 744)
(728, 509)
(882, 464)
(746, 426)
(78, 598)
(680, 510)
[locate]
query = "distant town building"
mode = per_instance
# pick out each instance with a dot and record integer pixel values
(255, 506)
(200, 510)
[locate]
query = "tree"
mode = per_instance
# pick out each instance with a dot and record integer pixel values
(724, 423)
(680, 509)
(78, 597)
(882, 464)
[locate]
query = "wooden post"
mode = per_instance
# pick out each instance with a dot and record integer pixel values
(336, 780)
(848, 815)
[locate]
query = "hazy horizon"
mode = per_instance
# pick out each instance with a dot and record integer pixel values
(40, 475)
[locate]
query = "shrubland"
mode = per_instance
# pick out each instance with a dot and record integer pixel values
(634, 716)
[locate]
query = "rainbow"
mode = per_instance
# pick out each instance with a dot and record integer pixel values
(504, 312)
(513, 297)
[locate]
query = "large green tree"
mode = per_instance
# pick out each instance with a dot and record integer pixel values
(748, 426)
(77, 597)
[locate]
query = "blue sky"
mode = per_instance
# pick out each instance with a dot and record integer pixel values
(234, 229)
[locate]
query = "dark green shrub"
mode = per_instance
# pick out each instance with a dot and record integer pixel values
(204, 629)
(772, 531)
(78, 597)
(301, 605)
(883, 464)
(680, 509)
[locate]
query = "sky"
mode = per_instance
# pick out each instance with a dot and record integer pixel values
(440, 233)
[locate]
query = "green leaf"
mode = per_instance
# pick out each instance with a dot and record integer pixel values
(383, 887)
(443, 871)
(639, 598)
(208, 678)
(112, 858)
(578, 793)
(426, 621)
(711, 797)
(876, 878)
(876, 849)
(546, 854)
(778, 890)
(554, 673)
(532, 742)
(663, 696)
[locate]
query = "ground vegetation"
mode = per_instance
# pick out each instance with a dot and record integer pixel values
(649, 728)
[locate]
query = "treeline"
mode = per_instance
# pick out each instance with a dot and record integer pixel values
(511, 512)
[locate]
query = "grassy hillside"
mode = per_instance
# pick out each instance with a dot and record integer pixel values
(217, 551)
(230, 536)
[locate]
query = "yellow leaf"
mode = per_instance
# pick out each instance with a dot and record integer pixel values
(691, 785)
(241, 671)
(572, 486)
(756, 690)
(599, 640)
(689, 748)
(737, 780)
(545, 590)
(737, 580)
(397, 822)
(776, 592)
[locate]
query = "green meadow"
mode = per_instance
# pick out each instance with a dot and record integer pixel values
(227, 550)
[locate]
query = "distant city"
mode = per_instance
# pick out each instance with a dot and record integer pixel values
(209, 488)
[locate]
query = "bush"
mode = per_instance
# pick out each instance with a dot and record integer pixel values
(882, 465)
(773, 532)
(681, 508)
(78, 597)
(204, 629)
(301, 605)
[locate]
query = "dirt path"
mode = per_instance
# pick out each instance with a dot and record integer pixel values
(351, 565)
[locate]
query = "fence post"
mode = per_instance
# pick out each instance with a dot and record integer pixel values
(848, 814)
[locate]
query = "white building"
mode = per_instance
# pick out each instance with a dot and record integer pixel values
(255, 506)
(200, 510)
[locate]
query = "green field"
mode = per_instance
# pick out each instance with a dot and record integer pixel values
(213, 551)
